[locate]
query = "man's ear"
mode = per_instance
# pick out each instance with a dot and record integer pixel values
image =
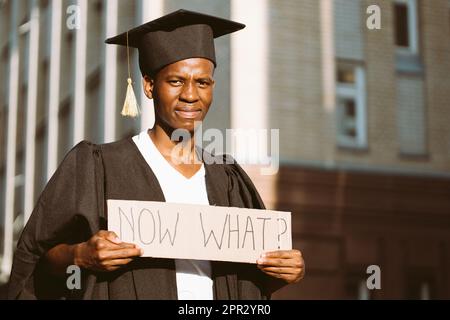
(148, 84)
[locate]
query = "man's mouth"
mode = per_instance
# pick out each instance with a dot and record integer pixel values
(188, 113)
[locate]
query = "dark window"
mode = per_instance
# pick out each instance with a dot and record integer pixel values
(347, 119)
(350, 109)
(346, 75)
(99, 6)
(401, 25)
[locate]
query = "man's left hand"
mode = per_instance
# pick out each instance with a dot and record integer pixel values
(287, 265)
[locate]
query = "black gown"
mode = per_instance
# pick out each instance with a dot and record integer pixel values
(72, 208)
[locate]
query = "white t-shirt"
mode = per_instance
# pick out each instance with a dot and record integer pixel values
(193, 276)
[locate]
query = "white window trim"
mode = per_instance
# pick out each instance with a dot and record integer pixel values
(413, 28)
(357, 92)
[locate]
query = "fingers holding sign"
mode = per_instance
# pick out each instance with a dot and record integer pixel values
(104, 251)
(287, 265)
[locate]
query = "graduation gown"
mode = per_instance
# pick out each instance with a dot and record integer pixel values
(72, 208)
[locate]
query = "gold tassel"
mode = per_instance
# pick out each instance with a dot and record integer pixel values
(130, 106)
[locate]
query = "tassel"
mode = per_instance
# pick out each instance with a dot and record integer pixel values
(130, 106)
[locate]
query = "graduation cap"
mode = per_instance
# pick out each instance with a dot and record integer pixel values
(177, 36)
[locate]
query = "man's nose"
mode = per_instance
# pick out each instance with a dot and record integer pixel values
(189, 93)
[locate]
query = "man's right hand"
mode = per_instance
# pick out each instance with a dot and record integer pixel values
(105, 252)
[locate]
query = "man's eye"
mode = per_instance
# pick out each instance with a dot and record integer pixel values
(176, 82)
(204, 83)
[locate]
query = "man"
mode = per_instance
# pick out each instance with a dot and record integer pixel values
(68, 225)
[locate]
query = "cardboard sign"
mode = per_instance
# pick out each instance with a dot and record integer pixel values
(199, 232)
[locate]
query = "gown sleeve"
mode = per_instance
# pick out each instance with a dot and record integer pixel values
(66, 212)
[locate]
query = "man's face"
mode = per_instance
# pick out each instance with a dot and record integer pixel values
(182, 92)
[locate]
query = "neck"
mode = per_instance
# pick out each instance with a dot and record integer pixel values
(161, 137)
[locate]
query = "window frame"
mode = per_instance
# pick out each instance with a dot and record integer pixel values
(357, 92)
(413, 28)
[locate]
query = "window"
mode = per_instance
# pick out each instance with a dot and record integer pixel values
(351, 106)
(406, 26)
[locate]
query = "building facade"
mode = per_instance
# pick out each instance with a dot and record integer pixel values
(364, 144)
(363, 114)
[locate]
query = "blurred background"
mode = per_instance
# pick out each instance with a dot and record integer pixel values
(363, 114)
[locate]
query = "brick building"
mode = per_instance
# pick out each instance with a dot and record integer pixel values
(365, 144)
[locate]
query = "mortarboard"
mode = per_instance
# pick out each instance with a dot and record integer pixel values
(176, 36)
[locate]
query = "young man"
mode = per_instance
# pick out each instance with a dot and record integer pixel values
(68, 225)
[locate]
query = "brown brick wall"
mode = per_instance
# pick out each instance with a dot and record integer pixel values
(344, 222)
